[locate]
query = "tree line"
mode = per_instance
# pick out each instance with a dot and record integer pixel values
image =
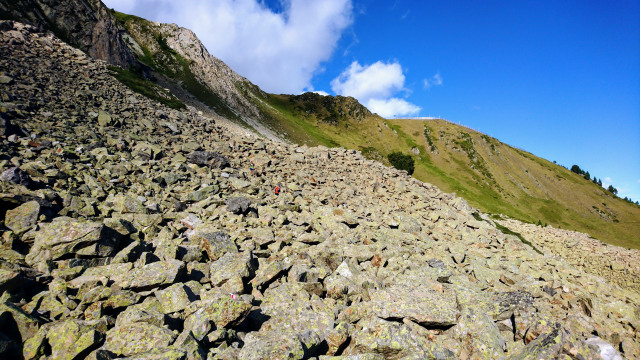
(576, 169)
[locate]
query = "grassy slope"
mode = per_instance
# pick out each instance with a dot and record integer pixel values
(490, 175)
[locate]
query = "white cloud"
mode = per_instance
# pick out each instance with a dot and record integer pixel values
(435, 80)
(320, 92)
(378, 80)
(393, 107)
(374, 86)
(279, 51)
(606, 182)
(125, 6)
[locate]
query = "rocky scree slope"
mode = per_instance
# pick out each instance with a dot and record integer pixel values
(616, 264)
(131, 230)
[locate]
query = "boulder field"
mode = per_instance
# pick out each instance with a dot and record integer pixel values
(131, 230)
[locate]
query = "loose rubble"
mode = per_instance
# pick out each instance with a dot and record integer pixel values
(616, 264)
(143, 235)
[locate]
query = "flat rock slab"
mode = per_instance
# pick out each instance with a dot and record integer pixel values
(278, 345)
(421, 304)
(131, 339)
(97, 273)
(389, 339)
(67, 236)
(150, 275)
(23, 217)
(230, 265)
(221, 310)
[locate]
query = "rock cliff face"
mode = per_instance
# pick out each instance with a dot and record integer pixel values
(133, 230)
(86, 24)
(164, 41)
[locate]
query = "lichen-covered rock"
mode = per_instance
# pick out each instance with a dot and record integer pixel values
(231, 265)
(279, 345)
(238, 205)
(222, 310)
(389, 339)
(139, 337)
(150, 275)
(424, 304)
(23, 217)
(65, 237)
(73, 339)
(140, 313)
(214, 243)
(291, 301)
(16, 319)
(486, 341)
(175, 298)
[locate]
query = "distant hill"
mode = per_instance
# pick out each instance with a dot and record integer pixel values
(492, 176)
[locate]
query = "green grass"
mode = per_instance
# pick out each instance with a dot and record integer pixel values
(145, 87)
(427, 134)
(507, 231)
(281, 116)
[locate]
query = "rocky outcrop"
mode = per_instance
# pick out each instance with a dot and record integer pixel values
(87, 24)
(329, 109)
(142, 246)
(234, 90)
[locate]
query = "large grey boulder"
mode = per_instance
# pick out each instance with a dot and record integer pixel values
(150, 275)
(208, 158)
(214, 243)
(67, 237)
(238, 205)
(423, 304)
(139, 337)
(23, 217)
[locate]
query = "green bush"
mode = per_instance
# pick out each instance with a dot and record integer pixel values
(402, 161)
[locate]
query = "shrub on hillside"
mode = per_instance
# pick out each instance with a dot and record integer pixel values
(402, 161)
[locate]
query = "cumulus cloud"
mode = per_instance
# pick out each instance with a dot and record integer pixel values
(378, 80)
(278, 50)
(435, 80)
(320, 92)
(374, 86)
(392, 107)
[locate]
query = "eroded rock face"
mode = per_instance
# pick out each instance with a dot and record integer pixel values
(97, 33)
(137, 244)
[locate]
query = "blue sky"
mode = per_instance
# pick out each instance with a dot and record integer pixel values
(560, 79)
